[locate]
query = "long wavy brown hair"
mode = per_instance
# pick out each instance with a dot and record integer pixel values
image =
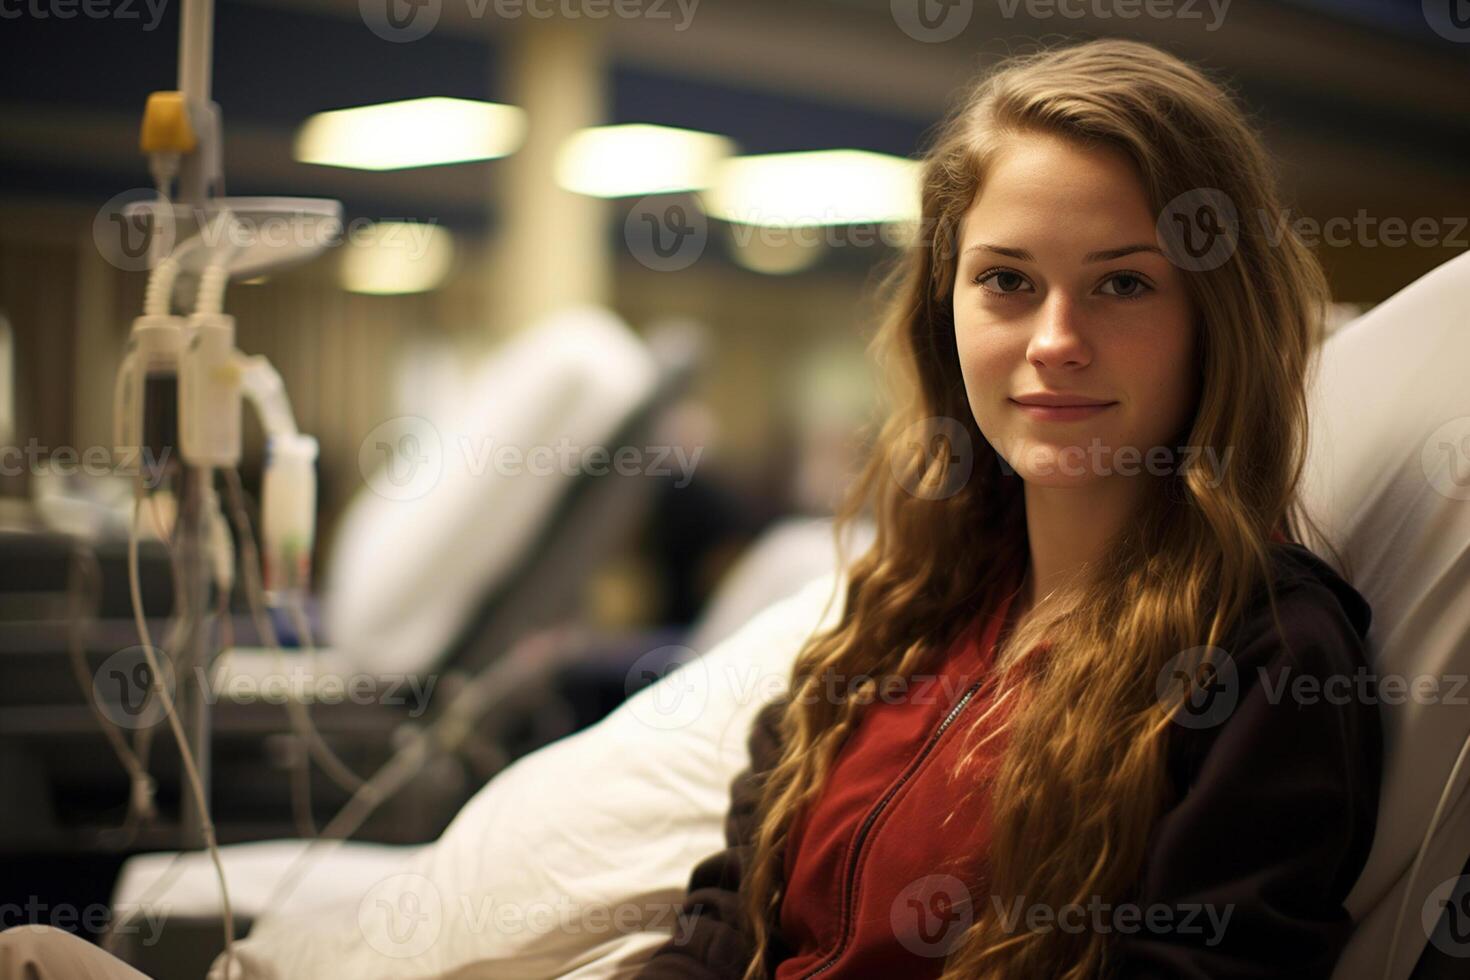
(1082, 780)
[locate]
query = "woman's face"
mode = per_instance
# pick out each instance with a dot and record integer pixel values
(1061, 289)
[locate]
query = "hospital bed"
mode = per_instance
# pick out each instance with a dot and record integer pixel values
(611, 819)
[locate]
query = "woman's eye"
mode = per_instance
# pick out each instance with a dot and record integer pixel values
(1006, 281)
(1134, 286)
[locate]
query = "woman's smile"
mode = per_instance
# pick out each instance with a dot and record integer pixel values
(1061, 413)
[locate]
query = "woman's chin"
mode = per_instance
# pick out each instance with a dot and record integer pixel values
(1056, 464)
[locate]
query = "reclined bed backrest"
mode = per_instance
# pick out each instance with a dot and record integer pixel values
(1388, 478)
(421, 565)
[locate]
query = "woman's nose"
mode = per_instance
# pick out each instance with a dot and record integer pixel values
(1058, 339)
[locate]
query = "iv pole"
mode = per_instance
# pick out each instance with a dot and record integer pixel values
(180, 391)
(196, 31)
(188, 377)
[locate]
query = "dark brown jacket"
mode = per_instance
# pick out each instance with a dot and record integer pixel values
(1271, 811)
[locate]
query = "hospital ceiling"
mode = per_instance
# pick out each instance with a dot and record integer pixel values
(1361, 99)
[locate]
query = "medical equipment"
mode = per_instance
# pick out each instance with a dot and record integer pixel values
(507, 644)
(181, 387)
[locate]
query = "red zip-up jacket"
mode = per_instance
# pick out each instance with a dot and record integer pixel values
(867, 895)
(1267, 826)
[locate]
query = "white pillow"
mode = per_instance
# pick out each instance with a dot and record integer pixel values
(1389, 480)
(572, 860)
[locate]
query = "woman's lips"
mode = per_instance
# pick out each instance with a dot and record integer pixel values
(1057, 413)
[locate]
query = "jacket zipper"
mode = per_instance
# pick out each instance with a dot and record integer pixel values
(850, 873)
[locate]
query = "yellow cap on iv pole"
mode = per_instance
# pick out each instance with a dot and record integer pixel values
(166, 127)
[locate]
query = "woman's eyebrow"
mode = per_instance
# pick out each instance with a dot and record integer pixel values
(1106, 255)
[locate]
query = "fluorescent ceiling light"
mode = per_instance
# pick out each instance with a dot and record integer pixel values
(414, 133)
(823, 187)
(397, 257)
(774, 251)
(639, 158)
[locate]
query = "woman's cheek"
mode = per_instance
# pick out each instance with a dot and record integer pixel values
(1165, 396)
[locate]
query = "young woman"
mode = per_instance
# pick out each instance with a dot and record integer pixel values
(1112, 766)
